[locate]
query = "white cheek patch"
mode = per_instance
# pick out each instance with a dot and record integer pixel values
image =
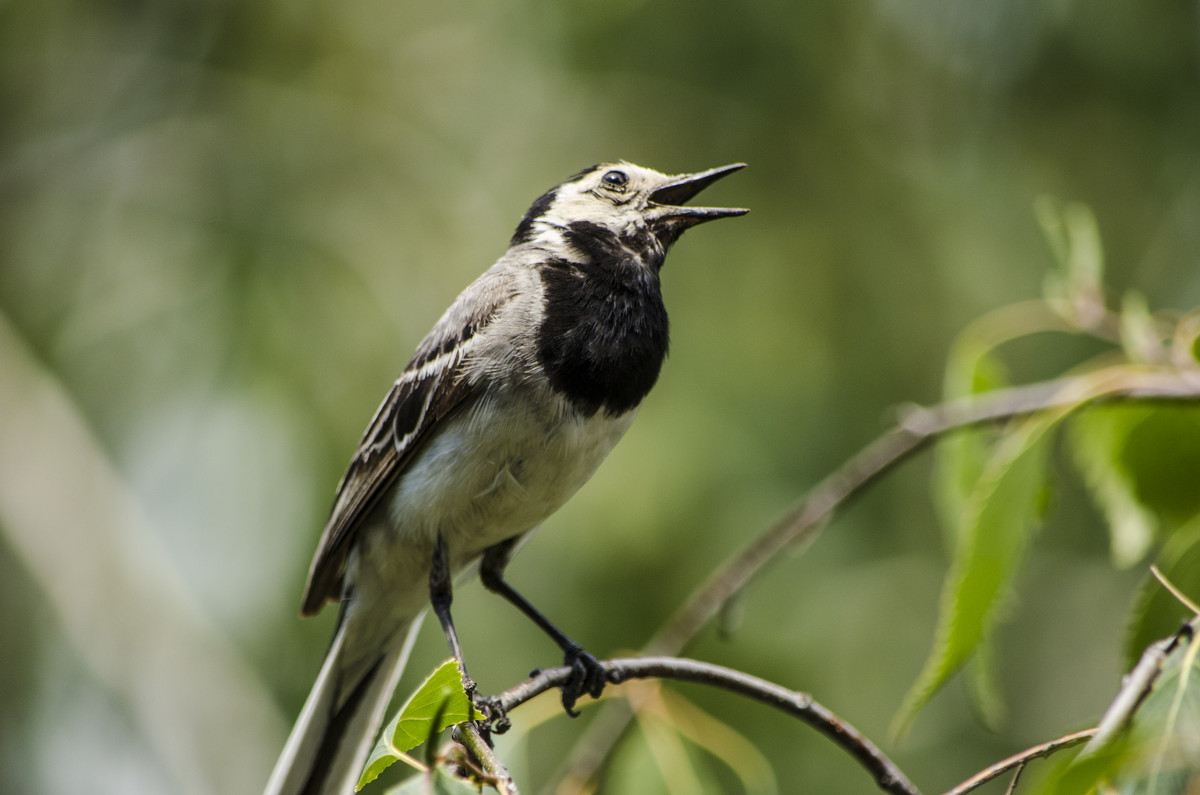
(581, 205)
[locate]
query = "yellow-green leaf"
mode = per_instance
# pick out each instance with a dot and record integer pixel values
(1097, 436)
(1140, 336)
(1074, 236)
(960, 457)
(438, 703)
(1000, 517)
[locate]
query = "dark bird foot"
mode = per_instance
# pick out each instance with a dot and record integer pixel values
(587, 676)
(495, 719)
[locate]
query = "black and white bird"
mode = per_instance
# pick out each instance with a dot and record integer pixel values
(508, 406)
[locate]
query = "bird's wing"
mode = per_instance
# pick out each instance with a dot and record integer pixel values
(433, 385)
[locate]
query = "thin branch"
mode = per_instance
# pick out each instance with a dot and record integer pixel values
(799, 705)
(1134, 689)
(1137, 685)
(1174, 590)
(1018, 761)
(802, 524)
(917, 428)
(497, 773)
(1015, 780)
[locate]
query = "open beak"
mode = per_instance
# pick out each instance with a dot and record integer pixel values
(666, 203)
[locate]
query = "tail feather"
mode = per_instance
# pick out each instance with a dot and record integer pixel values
(335, 732)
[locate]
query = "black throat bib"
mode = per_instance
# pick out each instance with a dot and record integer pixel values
(604, 334)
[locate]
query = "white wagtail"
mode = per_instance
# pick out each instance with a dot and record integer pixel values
(506, 409)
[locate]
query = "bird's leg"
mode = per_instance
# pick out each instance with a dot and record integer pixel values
(441, 594)
(587, 673)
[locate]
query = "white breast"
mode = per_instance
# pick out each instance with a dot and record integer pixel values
(497, 470)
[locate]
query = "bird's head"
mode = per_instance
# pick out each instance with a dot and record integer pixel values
(626, 199)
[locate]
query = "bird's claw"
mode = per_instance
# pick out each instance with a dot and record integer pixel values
(495, 718)
(587, 676)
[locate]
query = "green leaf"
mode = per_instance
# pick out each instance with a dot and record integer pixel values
(1140, 335)
(1157, 754)
(1074, 238)
(1049, 214)
(441, 695)
(1142, 467)
(960, 457)
(1168, 724)
(438, 703)
(1162, 455)
(1155, 612)
(983, 685)
(1000, 517)
(1076, 774)
(1097, 437)
(959, 460)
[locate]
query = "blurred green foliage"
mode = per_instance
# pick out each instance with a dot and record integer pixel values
(224, 227)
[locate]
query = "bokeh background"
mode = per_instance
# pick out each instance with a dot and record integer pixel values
(224, 226)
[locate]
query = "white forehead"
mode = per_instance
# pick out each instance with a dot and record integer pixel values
(588, 198)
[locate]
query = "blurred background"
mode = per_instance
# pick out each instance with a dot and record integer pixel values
(224, 227)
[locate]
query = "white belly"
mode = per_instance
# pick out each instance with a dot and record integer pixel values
(493, 473)
(488, 475)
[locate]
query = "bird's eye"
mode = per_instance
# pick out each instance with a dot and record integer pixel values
(615, 180)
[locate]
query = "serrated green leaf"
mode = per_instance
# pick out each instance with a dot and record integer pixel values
(958, 463)
(1000, 518)
(1097, 437)
(440, 702)
(382, 757)
(959, 458)
(1001, 514)
(983, 685)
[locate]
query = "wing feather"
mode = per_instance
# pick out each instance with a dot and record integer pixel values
(434, 385)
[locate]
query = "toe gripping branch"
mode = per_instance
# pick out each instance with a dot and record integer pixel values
(587, 676)
(587, 673)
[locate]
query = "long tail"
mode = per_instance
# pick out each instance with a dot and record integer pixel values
(335, 732)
